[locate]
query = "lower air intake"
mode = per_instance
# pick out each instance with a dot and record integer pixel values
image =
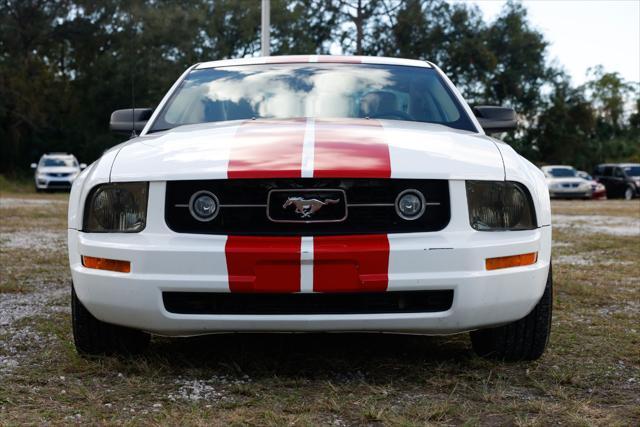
(308, 303)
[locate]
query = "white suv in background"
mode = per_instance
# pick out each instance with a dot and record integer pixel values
(56, 171)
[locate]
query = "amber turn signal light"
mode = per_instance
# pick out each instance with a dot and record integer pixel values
(511, 261)
(106, 264)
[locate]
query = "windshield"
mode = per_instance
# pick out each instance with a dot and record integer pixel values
(562, 172)
(313, 90)
(632, 170)
(52, 162)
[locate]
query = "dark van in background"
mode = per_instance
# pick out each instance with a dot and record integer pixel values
(620, 179)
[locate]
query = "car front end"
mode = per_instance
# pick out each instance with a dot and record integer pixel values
(310, 224)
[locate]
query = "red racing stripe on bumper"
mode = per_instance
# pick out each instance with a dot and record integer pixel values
(263, 264)
(267, 149)
(350, 148)
(351, 263)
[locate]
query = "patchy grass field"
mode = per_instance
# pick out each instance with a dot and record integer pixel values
(590, 374)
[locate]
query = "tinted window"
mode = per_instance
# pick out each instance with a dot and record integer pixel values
(608, 171)
(52, 162)
(618, 173)
(632, 170)
(562, 172)
(313, 90)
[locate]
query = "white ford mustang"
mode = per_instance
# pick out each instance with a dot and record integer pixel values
(312, 193)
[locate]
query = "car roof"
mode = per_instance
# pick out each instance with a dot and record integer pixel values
(618, 164)
(292, 59)
(57, 155)
(557, 167)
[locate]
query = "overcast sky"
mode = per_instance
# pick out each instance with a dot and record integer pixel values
(584, 33)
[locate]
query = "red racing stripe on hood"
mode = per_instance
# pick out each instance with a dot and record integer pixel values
(350, 148)
(263, 264)
(267, 149)
(351, 263)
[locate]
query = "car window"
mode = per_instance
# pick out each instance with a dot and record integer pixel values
(562, 172)
(608, 171)
(618, 173)
(632, 170)
(57, 162)
(313, 90)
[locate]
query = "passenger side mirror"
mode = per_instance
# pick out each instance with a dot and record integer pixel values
(34, 166)
(83, 166)
(496, 119)
(127, 120)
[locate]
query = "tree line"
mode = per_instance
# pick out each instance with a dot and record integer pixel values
(65, 65)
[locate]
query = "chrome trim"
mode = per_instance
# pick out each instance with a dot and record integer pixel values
(315, 190)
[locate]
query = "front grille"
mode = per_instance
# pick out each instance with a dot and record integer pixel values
(311, 303)
(370, 206)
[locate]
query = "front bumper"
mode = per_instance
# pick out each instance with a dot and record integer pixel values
(571, 193)
(49, 183)
(428, 261)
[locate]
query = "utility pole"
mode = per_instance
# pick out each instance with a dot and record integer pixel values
(266, 26)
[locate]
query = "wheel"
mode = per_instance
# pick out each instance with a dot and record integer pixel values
(524, 339)
(94, 337)
(628, 193)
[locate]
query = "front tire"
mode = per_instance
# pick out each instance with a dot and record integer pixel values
(524, 339)
(94, 337)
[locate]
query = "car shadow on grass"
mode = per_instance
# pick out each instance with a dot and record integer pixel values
(312, 355)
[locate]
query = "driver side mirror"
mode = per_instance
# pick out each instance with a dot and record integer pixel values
(496, 119)
(34, 166)
(83, 166)
(130, 119)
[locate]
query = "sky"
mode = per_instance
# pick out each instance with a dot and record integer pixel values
(584, 33)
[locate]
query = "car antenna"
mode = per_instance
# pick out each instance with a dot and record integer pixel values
(133, 93)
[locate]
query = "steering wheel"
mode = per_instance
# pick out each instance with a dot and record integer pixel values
(392, 114)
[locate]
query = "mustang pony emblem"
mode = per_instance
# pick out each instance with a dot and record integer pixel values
(307, 207)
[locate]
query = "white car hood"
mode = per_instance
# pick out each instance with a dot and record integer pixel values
(567, 180)
(58, 169)
(300, 147)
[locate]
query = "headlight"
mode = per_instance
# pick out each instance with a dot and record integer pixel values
(499, 206)
(119, 208)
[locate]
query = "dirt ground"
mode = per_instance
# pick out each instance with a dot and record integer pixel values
(590, 374)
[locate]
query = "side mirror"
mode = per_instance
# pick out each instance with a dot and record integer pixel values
(496, 119)
(127, 120)
(34, 166)
(83, 166)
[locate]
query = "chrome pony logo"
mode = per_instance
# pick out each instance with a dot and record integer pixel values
(307, 207)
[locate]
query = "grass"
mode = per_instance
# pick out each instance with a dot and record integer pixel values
(590, 374)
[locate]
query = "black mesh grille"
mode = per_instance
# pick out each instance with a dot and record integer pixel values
(244, 206)
(313, 303)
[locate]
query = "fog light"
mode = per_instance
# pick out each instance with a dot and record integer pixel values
(410, 204)
(204, 206)
(106, 264)
(511, 261)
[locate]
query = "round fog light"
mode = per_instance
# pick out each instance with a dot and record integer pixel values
(204, 206)
(410, 204)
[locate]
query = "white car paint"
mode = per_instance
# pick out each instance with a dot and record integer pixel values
(453, 258)
(566, 187)
(56, 176)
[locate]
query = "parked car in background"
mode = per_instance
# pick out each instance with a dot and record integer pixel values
(262, 196)
(620, 179)
(598, 190)
(56, 171)
(564, 183)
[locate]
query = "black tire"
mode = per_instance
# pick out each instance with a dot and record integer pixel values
(94, 337)
(524, 339)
